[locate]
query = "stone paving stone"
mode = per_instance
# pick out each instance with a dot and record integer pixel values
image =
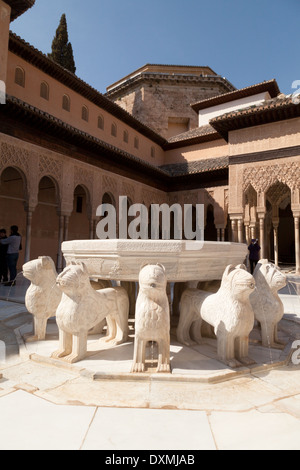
(149, 430)
(255, 430)
(38, 376)
(108, 393)
(30, 423)
(285, 378)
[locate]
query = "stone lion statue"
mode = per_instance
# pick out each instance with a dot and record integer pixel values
(82, 308)
(43, 296)
(265, 301)
(229, 312)
(152, 318)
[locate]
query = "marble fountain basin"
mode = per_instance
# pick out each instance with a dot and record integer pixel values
(121, 260)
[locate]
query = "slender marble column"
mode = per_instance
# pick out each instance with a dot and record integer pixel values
(297, 244)
(60, 240)
(28, 235)
(262, 235)
(234, 230)
(240, 231)
(275, 232)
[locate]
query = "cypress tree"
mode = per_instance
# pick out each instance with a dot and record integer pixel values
(62, 51)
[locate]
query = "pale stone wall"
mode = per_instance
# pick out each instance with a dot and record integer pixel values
(271, 136)
(4, 33)
(203, 151)
(155, 103)
(31, 94)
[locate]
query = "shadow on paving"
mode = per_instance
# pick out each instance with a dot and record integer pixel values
(7, 334)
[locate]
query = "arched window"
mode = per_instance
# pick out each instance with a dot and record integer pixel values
(85, 113)
(136, 142)
(125, 137)
(100, 122)
(114, 130)
(20, 76)
(66, 104)
(44, 91)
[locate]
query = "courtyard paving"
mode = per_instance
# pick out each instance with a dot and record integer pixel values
(98, 405)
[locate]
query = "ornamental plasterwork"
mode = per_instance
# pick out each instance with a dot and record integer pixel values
(50, 167)
(13, 156)
(83, 176)
(129, 191)
(149, 197)
(263, 177)
(277, 193)
(190, 198)
(110, 185)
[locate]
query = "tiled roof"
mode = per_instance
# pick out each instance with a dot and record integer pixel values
(193, 137)
(54, 127)
(277, 109)
(270, 86)
(197, 167)
(18, 7)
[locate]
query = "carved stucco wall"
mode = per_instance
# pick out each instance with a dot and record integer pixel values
(261, 177)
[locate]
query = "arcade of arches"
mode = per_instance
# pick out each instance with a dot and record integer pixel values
(52, 199)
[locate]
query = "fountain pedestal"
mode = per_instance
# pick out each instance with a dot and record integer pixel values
(122, 260)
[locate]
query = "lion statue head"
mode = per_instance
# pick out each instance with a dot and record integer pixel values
(237, 281)
(40, 270)
(74, 278)
(271, 274)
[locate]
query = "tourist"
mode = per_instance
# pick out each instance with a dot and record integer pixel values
(13, 243)
(3, 261)
(254, 255)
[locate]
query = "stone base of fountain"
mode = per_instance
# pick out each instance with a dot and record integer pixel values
(198, 363)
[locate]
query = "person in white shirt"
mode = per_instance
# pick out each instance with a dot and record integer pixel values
(14, 242)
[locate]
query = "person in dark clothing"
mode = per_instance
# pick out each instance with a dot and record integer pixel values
(3, 261)
(14, 245)
(254, 255)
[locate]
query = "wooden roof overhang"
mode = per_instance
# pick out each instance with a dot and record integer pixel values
(27, 123)
(275, 110)
(18, 7)
(269, 86)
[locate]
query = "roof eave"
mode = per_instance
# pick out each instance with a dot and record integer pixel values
(252, 117)
(270, 86)
(18, 7)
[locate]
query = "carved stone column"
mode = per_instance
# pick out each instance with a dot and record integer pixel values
(66, 227)
(28, 235)
(59, 266)
(297, 243)
(247, 231)
(234, 230)
(262, 234)
(275, 222)
(93, 224)
(252, 231)
(240, 231)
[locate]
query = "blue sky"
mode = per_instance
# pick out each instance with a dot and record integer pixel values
(246, 41)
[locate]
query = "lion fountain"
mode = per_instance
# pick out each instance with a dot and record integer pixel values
(265, 301)
(82, 308)
(43, 295)
(229, 311)
(152, 319)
